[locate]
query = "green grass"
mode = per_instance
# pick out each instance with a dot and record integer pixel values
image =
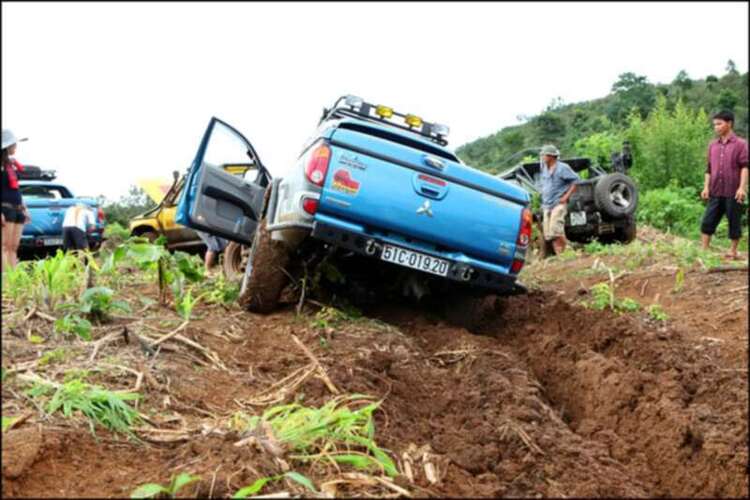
(260, 483)
(335, 432)
(102, 407)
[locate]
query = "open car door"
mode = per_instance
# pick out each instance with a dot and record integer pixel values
(224, 186)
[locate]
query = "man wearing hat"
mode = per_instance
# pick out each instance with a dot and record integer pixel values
(558, 184)
(14, 211)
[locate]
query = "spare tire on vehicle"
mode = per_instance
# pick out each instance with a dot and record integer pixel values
(616, 195)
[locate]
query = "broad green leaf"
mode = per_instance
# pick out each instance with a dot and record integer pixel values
(253, 488)
(181, 480)
(149, 490)
(301, 479)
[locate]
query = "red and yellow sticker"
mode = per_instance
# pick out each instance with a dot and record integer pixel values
(342, 181)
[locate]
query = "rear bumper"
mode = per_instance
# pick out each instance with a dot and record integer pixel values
(467, 271)
(38, 241)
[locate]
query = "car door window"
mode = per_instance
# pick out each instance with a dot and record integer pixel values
(226, 148)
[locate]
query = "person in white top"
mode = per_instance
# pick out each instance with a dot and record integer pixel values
(78, 220)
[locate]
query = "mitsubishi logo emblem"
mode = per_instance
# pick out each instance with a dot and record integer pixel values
(425, 209)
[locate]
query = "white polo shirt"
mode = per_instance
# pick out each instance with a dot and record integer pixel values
(79, 216)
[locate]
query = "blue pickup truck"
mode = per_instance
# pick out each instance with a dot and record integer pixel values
(370, 182)
(47, 201)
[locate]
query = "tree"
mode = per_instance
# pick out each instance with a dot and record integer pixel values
(732, 68)
(631, 92)
(669, 146)
(682, 80)
(726, 100)
(128, 206)
(548, 127)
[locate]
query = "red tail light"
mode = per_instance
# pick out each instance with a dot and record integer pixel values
(517, 265)
(317, 165)
(524, 235)
(310, 205)
(100, 215)
(522, 243)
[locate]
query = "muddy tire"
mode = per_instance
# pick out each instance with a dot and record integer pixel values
(235, 260)
(264, 276)
(627, 233)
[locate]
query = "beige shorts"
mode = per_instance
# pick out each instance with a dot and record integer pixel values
(553, 223)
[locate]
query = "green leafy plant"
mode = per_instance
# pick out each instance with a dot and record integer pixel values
(116, 232)
(220, 291)
(334, 432)
(656, 312)
(98, 303)
(679, 280)
(18, 283)
(74, 324)
(100, 406)
(603, 297)
(56, 277)
(53, 356)
(185, 304)
(628, 305)
(260, 483)
(152, 490)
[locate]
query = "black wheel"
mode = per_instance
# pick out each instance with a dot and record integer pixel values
(616, 195)
(264, 277)
(149, 235)
(627, 233)
(236, 256)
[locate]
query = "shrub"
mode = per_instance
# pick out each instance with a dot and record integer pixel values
(671, 208)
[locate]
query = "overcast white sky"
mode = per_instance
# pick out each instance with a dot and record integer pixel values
(111, 92)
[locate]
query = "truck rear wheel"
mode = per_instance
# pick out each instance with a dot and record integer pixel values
(235, 260)
(627, 233)
(264, 277)
(616, 195)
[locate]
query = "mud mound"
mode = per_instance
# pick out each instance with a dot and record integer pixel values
(472, 402)
(661, 404)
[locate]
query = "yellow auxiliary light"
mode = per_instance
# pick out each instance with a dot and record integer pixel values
(413, 121)
(384, 111)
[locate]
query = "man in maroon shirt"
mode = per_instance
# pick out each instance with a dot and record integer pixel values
(725, 185)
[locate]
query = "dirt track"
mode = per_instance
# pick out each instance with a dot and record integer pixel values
(549, 398)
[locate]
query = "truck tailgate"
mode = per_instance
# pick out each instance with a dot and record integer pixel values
(455, 207)
(47, 216)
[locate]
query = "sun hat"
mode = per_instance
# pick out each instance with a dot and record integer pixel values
(9, 138)
(549, 149)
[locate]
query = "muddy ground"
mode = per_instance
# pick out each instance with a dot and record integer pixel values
(546, 397)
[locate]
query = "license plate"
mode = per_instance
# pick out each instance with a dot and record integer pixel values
(577, 218)
(49, 242)
(415, 260)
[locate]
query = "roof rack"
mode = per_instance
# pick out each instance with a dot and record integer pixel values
(355, 107)
(34, 173)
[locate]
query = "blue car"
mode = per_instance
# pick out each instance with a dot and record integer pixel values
(47, 201)
(370, 182)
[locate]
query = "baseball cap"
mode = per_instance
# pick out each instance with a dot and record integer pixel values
(9, 138)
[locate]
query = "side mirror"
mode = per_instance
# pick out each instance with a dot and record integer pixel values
(175, 175)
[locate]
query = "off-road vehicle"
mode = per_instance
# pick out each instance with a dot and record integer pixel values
(603, 205)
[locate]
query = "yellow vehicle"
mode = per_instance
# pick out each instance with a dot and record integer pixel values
(160, 220)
